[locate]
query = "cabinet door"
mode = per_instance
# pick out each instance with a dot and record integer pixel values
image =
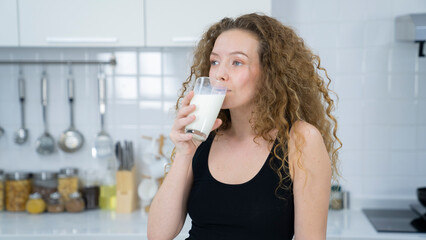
(81, 22)
(181, 23)
(8, 23)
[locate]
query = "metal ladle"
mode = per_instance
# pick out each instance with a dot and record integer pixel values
(71, 140)
(45, 144)
(21, 134)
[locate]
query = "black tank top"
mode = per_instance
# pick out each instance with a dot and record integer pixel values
(250, 210)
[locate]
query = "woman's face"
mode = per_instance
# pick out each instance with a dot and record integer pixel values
(235, 61)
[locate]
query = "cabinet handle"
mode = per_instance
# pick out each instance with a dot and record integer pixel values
(81, 40)
(185, 39)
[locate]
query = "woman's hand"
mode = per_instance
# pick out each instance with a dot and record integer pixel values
(184, 142)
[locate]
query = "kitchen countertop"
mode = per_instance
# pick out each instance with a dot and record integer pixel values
(98, 224)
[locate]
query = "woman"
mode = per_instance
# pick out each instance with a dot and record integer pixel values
(265, 170)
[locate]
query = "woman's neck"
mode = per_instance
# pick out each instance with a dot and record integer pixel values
(241, 128)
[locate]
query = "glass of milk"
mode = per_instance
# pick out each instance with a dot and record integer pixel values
(208, 97)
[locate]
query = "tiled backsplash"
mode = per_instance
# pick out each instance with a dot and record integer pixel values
(381, 86)
(141, 93)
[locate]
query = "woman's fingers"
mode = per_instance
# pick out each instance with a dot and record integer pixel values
(184, 137)
(180, 137)
(186, 108)
(187, 99)
(184, 111)
(182, 122)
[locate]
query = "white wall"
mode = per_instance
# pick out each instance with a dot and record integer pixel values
(381, 84)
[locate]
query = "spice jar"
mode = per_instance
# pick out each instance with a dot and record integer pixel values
(336, 198)
(18, 188)
(36, 204)
(45, 183)
(75, 203)
(90, 189)
(67, 182)
(55, 204)
(1, 190)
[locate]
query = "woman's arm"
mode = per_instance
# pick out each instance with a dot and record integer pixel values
(311, 181)
(168, 209)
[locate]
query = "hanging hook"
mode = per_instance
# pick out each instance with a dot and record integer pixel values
(21, 72)
(100, 70)
(44, 69)
(69, 68)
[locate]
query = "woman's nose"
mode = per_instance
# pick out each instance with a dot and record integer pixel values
(222, 73)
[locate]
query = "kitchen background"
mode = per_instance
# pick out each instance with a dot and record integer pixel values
(381, 84)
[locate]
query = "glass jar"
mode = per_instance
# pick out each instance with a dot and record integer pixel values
(55, 204)
(67, 182)
(18, 188)
(90, 189)
(36, 204)
(107, 195)
(75, 203)
(45, 183)
(1, 190)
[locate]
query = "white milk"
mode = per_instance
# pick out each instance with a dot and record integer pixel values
(206, 110)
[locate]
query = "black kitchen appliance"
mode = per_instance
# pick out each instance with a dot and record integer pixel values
(398, 220)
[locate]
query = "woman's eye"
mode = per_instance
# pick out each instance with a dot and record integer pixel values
(236, 63)
(213, 62)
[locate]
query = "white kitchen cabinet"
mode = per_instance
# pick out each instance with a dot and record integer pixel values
(181, 23)
(81, 22)
(8, 23)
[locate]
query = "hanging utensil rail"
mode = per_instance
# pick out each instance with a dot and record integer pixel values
(112, 62)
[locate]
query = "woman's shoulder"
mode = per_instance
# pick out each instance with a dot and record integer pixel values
(306, 146)
(306, 141)
(307, 131)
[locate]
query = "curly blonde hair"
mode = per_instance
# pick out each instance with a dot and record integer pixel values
(291, 87)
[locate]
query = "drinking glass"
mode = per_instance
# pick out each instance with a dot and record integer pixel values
(209, 94)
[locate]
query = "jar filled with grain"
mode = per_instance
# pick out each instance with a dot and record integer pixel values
(45, 183)
(18, 188)
(75, 203)
(55, 204)
(1, 190)
(67, 182)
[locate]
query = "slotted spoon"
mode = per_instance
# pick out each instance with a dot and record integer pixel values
(45, 144)
(103, 146)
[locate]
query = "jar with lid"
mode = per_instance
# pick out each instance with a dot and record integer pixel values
(1, 190)
(54, 203)
(75, 203)
(67, 182)
(45, 183)
(90, 189)
(36, 204)
(18, 188)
